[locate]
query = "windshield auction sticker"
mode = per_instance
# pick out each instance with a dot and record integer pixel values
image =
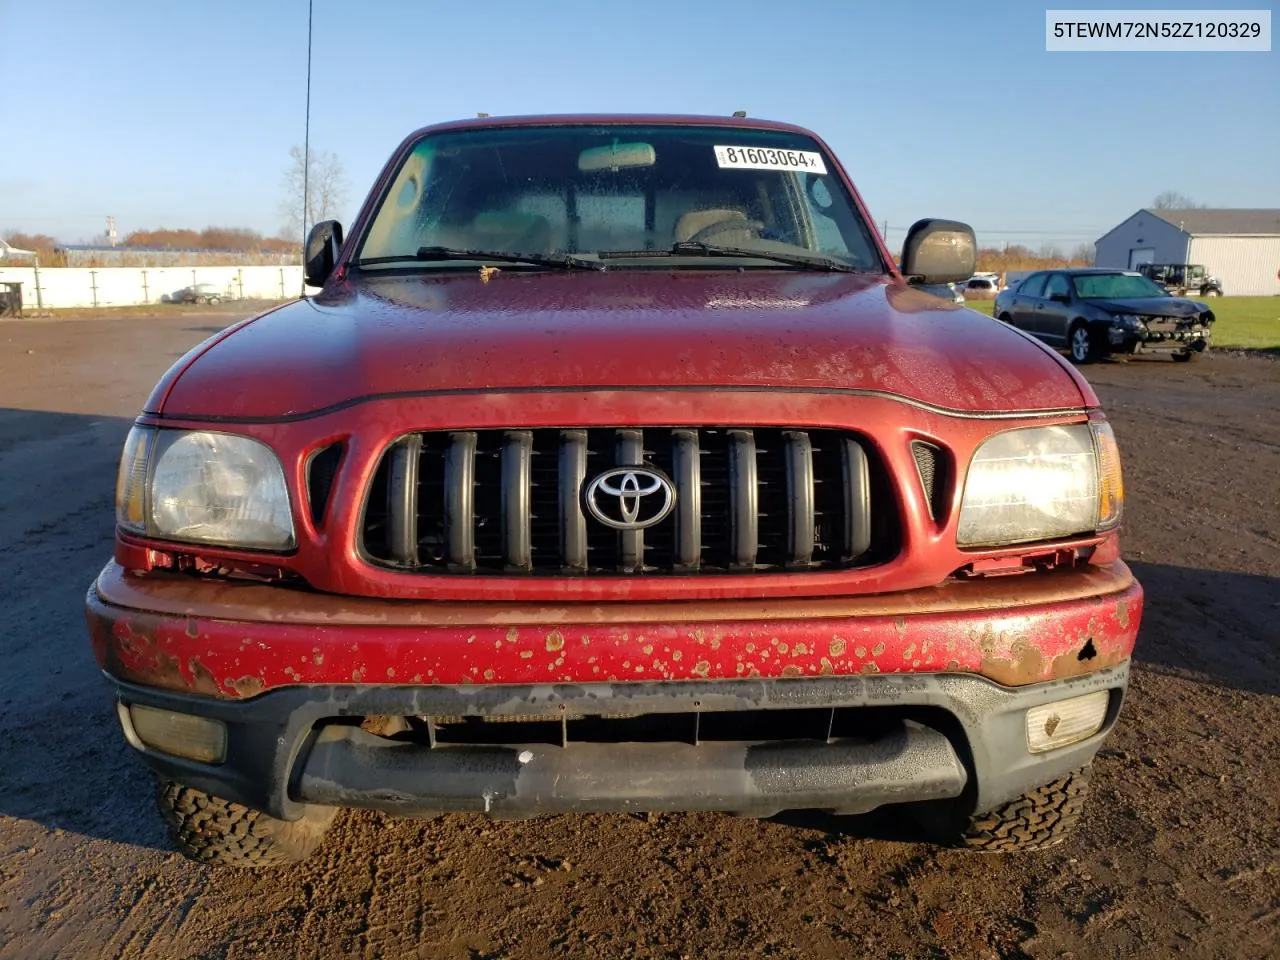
(768, 158)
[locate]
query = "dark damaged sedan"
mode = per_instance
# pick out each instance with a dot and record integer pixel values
(1095, 312)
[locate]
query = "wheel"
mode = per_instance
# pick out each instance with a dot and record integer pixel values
(1005, 318)
(1038, 819)
(209, 829)
(1081, 342)
(213, 300)
(1213, 292)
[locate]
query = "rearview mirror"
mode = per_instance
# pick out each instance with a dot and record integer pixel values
(323, 243)
(615, 156)
(939, 251)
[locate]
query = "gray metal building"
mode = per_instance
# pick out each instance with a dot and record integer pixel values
(1239, 247)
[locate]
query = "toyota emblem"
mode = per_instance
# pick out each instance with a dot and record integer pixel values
(630, 498)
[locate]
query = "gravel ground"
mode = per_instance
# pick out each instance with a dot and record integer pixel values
(1178, 854)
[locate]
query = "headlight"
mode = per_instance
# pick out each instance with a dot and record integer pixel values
(1042, 483)
(1128, 321)
(203, 487)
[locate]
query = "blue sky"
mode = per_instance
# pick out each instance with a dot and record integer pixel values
(181, 114)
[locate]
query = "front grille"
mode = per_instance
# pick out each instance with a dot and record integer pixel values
(511, 502)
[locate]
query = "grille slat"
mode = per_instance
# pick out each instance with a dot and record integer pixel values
(799, 499)
(857, 499)
(517, 513)
(573, 524)
(744, 500)
(402, 500)
(459, 501)
(631, 542)
(687, 475)
(511, 501)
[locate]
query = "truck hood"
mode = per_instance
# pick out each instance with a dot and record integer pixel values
(767, 329)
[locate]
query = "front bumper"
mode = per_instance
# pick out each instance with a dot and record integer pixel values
(1158, 338)
(237, 640)
(927, 692)
(953, 735)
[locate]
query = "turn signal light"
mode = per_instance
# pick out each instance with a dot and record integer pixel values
(1054, 725)
(1110, 480)
(177, 734)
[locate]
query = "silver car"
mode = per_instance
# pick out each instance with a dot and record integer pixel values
(199, 293)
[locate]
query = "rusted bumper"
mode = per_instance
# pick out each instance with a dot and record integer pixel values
(230, 640)
(932, 689)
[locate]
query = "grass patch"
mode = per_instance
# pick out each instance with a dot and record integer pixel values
(1243, 323)
(1246, 323)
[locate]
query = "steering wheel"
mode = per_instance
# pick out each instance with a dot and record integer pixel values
(724, 226)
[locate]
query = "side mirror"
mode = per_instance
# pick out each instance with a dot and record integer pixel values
(939, 251)
(323, 244)
(1060, 297)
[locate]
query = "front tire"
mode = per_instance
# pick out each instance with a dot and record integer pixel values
(1081, 343)
(211, 830)
(1039, 819)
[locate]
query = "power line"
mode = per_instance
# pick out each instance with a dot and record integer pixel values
(1065, 232)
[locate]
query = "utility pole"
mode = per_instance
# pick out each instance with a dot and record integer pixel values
(306, 156)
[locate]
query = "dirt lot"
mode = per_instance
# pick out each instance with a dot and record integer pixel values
(1179, 855)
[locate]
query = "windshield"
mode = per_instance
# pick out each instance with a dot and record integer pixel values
(1115, 286)
(582, 191)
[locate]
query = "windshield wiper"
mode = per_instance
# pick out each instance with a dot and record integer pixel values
(690, 248)
(440, 254)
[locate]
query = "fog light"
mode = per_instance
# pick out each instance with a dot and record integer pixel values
(179, 734)
(1054, 725)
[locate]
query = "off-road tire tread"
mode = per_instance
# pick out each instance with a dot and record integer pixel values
(1037, 820)
(212, 830)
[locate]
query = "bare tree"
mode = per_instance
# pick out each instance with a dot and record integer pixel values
(326, 189)
(1050, 251)
(1173, 200)
(1082, 253)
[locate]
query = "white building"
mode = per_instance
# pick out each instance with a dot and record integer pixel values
(1239, 247)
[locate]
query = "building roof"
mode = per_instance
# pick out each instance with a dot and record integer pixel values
(1201, 222)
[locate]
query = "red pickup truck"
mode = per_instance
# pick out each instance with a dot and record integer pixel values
(617, 466)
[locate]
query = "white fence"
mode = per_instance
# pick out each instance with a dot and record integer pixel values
(56, 287)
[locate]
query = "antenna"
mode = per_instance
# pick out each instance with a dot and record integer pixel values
(306, 154)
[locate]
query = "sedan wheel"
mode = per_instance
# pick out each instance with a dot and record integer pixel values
(1081, 344)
